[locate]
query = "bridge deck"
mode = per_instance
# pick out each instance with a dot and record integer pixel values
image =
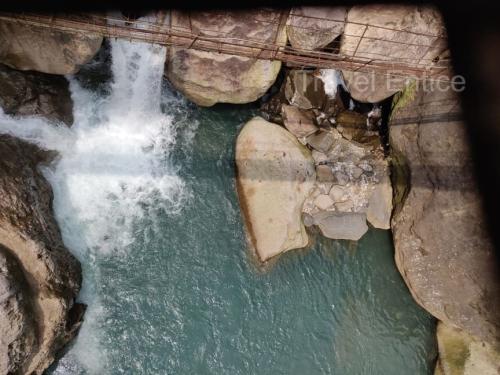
(165, 34)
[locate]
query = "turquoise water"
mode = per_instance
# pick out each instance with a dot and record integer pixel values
(188, 298)
(144, 193)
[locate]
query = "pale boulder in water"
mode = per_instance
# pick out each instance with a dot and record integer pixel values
(275, 175)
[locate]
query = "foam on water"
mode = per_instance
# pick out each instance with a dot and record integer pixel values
(114, 170)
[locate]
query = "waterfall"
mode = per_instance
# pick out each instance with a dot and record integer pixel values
(114, 170)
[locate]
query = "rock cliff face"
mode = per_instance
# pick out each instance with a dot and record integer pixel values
(275, 175)
(26, 47)
(35, 94)
(39, 278)
(207, 78)
(442, 248)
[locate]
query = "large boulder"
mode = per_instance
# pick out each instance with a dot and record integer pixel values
(35, 94)
(312, 28)
(27, 47)
(418, 42)
(442, 248)
(275, 175)
(462, 354)
(374, 87)
(207, 78)
(51, 276)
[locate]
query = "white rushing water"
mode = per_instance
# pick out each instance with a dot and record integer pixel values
(114, 170)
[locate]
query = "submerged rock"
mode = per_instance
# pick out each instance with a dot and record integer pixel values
(442, 248)
(462, 354)
(315, 27)
(207, 78)
(27, 47)
(35, 94)
(275, 175)
(51, 276)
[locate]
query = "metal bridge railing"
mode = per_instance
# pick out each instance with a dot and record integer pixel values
(210, 40)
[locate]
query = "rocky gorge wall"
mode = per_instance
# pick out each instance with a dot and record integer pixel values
(39, 278)
(313, 163)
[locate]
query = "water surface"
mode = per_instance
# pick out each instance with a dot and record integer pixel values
(145, 196)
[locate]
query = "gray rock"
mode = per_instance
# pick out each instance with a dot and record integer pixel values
(322, 141)
(324, 187)
(356, 172)
(319, 157)
(323, 202)
(324, 173)
(340, 178)
(345, 206)
(307, 219)
(337, 193)
(35, 94)
(341, 226)
(298, 122)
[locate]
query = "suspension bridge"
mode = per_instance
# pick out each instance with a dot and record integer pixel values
(164, 33)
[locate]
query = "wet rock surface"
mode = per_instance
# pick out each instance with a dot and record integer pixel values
(29, 234)
(35, 94)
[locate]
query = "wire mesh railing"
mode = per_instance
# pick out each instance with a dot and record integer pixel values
(164, 32)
